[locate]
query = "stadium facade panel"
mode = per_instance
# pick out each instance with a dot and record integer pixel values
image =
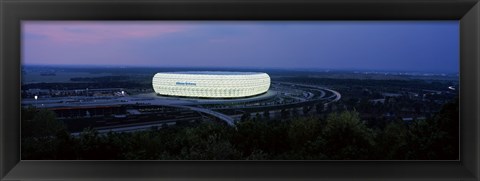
(211, 84)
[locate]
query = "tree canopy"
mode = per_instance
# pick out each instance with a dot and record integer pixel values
(338, 136)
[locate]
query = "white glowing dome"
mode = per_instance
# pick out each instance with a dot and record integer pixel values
(211, 84)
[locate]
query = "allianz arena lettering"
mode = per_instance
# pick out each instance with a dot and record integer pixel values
(185, 83)
(211, 84)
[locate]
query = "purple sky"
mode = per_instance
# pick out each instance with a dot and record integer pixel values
(375, 45)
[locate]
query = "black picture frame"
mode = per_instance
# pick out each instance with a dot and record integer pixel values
(12, 12)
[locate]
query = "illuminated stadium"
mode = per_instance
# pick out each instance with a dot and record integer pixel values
(211, 84)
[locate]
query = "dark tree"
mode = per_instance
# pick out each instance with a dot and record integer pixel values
(266, 114)
(347, 137)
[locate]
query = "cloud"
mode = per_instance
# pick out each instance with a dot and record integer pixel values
(97, 32)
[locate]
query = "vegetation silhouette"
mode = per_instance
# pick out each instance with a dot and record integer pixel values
(341, 135)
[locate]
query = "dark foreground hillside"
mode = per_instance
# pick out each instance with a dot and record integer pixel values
(336, 136)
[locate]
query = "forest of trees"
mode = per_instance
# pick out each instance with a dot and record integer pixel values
(336, 136)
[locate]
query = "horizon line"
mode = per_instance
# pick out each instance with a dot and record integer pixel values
(245, 67)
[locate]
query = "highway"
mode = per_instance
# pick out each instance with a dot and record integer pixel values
(134, 100)
(221, 116)
(131, 100)
(229, 120)
(337, 95)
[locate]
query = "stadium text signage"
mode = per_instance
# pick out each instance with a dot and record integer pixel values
(186, 83)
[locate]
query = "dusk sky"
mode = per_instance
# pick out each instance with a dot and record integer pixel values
(426, 46)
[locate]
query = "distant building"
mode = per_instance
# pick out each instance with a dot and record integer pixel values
(386, 94)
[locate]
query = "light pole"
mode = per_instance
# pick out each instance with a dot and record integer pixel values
(36, 97)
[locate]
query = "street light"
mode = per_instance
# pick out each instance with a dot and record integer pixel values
(123, 93)
(36, 97)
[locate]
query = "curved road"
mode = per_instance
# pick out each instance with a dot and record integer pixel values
(134, 100)
(156, 102)
(337, 95)
(229, 120)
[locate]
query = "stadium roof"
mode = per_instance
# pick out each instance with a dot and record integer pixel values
(212, 73)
